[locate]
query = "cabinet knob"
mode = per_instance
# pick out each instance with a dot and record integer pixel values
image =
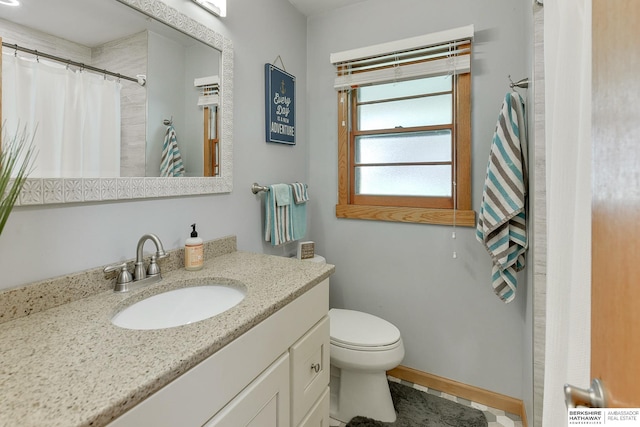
(315, 367)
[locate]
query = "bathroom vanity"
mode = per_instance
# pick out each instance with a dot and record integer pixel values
(263, 362)
(276, 374)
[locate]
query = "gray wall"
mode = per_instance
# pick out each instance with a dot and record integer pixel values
(452, 323)
(165, 97)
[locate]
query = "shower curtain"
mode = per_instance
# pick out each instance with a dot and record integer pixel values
(567, 56)
(75, 116)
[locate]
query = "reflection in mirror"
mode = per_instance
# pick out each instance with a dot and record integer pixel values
(172, 98)
(174, 114)
(89, 123)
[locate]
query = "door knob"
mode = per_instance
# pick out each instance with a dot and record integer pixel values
(592, 397)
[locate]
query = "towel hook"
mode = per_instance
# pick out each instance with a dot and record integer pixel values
(522, 83)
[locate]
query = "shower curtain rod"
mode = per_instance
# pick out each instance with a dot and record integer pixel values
(140, 79)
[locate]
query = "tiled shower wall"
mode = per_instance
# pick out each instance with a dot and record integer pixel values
(128, 56)
(539, 218)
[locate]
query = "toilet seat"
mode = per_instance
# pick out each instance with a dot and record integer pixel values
(364, 348)
(360, 331)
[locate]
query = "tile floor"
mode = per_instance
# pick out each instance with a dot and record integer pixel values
(495, 417)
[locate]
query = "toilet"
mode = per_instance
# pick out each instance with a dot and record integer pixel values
(362, 348)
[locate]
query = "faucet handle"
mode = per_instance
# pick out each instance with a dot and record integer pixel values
(154, 268)
(123, 278)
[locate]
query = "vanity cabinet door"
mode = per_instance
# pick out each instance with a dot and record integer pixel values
(263, 403)
(318, 416)
(309, 369)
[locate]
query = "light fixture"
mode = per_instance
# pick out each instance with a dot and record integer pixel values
(10, 2)
(216, 7)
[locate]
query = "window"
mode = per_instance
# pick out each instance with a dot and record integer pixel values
(404, 134)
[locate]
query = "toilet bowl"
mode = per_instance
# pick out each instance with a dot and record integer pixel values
(363, 347)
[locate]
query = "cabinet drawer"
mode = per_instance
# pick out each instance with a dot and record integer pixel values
(309, 369)
(318, 416)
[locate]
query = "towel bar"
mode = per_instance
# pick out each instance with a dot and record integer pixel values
(257, 188)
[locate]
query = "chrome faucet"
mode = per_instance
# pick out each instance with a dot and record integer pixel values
(150, 275)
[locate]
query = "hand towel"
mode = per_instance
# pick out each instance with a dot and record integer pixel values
(282, 194)
(502, 222)
(171, 163)
(300, 194)
(299, 212)
(277, 228)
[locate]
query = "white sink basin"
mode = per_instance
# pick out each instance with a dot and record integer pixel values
(179, 307)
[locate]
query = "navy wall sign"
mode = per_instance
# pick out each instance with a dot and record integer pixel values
(280, 100)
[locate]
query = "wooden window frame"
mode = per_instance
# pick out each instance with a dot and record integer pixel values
(408, 209)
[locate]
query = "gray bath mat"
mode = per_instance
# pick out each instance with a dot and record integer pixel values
(419, 409)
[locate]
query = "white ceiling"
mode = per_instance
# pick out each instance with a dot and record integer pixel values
(313, 7)
(88, 22)
(75, 19)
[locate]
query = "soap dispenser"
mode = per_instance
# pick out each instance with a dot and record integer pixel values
(193, 251)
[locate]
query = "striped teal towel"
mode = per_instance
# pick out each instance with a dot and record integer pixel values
(299, 210)
(171, 163)
(502, 221)
(277, 227)
(300, 194)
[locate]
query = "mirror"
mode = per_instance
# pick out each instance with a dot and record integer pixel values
(87, 22)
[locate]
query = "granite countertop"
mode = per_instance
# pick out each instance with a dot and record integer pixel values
(69, 366)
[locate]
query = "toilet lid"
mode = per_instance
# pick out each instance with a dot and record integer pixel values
(355, 328)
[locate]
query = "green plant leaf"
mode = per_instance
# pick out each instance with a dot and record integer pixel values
(17, 155)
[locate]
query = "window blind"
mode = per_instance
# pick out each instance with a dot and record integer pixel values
(445, 52)
(209, 90)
